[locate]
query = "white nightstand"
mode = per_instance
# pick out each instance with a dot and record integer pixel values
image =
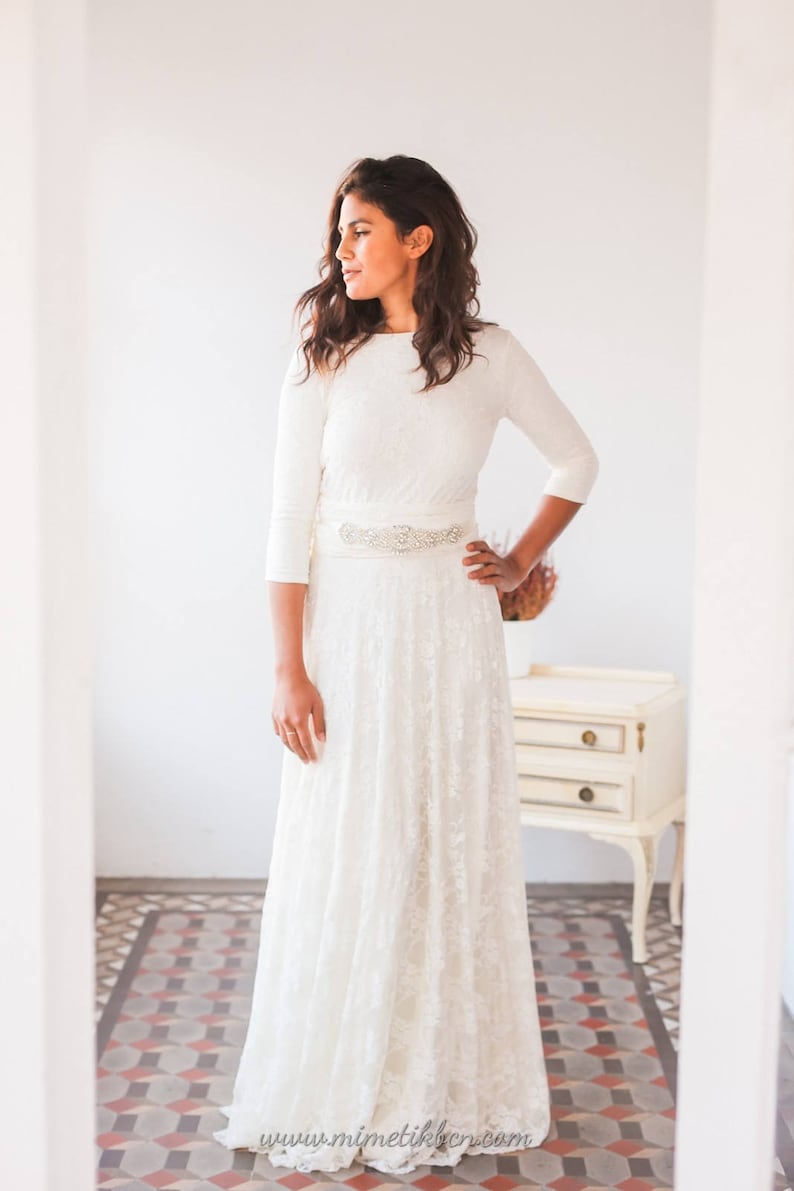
(603, 751)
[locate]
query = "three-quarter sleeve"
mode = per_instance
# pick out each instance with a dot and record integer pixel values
(533, 405)
(297, 472)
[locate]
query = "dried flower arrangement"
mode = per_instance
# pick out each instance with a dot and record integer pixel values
(534, 593)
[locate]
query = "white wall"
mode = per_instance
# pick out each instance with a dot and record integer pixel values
(575, 136)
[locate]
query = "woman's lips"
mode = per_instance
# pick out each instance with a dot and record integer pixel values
(346, 273)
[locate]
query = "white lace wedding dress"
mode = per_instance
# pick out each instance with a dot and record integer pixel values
(394, 1000)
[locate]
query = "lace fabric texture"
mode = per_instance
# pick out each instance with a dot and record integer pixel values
(394, 985)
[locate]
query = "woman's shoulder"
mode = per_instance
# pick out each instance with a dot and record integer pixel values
(492, 339)
(493, 333)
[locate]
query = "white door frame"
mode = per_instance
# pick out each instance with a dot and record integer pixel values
(47, 1093)
(743, 653)
(742, 688)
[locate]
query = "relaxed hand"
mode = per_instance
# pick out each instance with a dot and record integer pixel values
(296, 698)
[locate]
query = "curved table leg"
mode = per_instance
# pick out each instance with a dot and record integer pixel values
(642, 850)
(677, 874)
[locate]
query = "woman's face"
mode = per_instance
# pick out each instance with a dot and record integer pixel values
(375, 262)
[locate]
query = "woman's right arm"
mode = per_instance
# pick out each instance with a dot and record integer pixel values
(297, 472)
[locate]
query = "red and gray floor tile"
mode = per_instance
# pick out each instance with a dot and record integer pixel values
(175, 967)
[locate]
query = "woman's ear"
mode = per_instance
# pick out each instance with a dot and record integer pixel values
(420, 239)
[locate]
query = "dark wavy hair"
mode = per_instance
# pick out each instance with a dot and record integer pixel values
(410, 192)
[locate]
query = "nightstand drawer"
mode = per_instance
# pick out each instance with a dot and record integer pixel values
(577, 793)
(588, 736)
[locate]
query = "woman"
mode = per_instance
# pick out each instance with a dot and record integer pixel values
(394, 1019)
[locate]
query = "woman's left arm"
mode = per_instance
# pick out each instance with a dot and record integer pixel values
(532, 404)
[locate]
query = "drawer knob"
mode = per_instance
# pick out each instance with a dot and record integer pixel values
(589, 736)
(586, 794)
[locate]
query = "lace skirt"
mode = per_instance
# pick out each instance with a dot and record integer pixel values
(394, 1019)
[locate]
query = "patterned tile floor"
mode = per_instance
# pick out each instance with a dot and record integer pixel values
(175, 964)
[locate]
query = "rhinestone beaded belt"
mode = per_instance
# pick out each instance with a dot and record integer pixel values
(398, 539)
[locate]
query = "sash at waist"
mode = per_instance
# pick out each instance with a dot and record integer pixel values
(378, 529)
